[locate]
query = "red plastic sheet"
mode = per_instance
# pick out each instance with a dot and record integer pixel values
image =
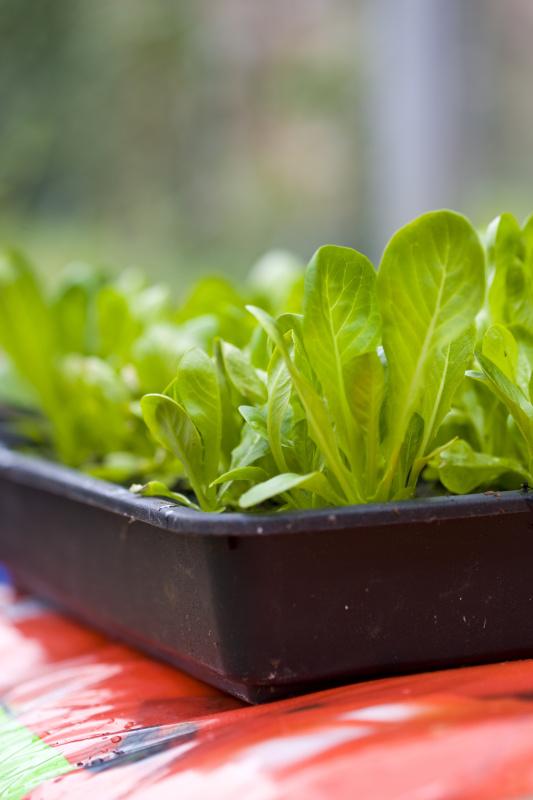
(82, 717)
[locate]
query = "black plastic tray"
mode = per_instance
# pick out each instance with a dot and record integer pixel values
(266, 606)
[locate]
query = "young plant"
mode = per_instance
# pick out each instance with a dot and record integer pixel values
(196, 422)
(494, 412)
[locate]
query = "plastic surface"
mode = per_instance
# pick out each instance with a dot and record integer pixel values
(265, 606)
(84, 718)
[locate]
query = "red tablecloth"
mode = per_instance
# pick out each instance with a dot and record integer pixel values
(84, 717)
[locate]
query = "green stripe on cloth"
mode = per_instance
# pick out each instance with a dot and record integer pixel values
(25, 760)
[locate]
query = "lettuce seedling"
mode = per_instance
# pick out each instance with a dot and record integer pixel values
(195, 421)
(494, 415)
(374, 419)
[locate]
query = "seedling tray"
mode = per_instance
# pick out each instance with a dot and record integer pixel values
(265, 606)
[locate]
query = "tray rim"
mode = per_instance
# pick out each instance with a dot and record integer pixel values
(73, 484)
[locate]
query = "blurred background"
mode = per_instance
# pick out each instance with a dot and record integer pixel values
(188, 136)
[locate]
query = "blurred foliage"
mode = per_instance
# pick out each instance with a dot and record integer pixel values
(193, 135)
(182, 135)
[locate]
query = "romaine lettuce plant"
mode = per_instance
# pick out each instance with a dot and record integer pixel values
(493, 414)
